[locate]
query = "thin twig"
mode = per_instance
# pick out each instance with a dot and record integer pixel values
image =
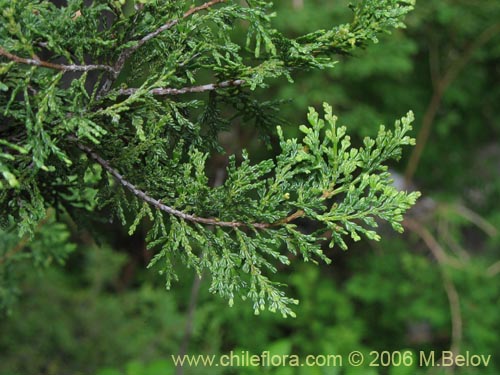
(296, 215)
(444, 232)
(301, 213)
(456, 314)
(172, 23)
(476, 219)
(185, 90)
(433, 244)
(65, 68)
(129, 51)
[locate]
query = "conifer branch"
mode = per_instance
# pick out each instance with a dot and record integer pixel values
(186, 90)
(161, 206)
(246, 222)
(172, 23)
(172, 211)
(65, 68)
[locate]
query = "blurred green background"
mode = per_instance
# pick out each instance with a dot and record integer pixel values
(437, 287)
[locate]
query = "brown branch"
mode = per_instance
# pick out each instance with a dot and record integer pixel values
(432, 244)
(301, 213)
(439, 90)
(180, 214)
(297, 214)
(172, 211)
(161, 206)
(456, 315)
(476, 219)
(185, 90)
(65, 68)
(172, 23)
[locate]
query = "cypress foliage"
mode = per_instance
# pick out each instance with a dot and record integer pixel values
(113, 109)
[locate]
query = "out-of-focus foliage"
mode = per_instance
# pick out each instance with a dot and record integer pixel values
(28, 255)
(96, 328)
(389, 295)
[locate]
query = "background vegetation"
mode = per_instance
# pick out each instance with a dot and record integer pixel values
(434, 288)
